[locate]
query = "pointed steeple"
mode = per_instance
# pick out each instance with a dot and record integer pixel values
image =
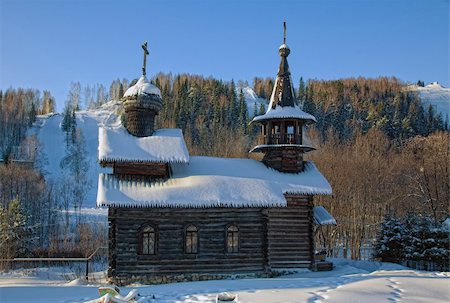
(282, 124)
(283, 92)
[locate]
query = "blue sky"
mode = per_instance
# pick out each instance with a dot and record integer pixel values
(46, 44)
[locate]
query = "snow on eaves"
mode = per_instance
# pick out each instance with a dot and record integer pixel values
(213, 182)
(165, 145)
(142, 86)
(285, 112)
(322, 216)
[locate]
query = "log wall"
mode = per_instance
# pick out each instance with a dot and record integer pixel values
(290, 234)
(152, 170)
(284, 160)
(170, 258)
(269, 238)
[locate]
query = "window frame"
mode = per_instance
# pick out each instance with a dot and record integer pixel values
(189, 234)
(142, 232)
(235, 249)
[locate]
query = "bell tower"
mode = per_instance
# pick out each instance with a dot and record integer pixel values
(282, 124)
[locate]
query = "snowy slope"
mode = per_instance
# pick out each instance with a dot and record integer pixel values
(251, 99)
(436, 95)
(51, 136)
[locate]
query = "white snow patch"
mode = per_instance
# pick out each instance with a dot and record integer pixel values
(251, 99)
(436, 95)
(211, 182)
(165, 145)
(142, 86)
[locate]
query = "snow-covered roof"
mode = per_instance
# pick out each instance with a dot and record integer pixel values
(142, 86)
(165, 145)
(211, 182)
(322, 217)
(284, 112)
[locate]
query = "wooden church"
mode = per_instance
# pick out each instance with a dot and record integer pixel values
(176, 217)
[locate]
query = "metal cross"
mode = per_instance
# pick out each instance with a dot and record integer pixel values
(284, 39)
(144, 47)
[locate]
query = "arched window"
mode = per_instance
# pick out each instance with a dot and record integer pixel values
(147, 240)
(232, 239)
(191, 239)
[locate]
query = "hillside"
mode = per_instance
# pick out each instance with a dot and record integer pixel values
(436, 95)
(252, 100)
(51, 136)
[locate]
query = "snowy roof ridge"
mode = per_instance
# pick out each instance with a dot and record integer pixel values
(165, 145)
(213, 182)
(142, 86)
(285, 112)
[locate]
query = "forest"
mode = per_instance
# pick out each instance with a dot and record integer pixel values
(382, 152)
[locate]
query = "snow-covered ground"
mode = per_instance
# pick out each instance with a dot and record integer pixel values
(350, 281)
(436, 95)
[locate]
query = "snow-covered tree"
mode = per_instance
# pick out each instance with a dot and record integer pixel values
(426, 240)
(389, 246)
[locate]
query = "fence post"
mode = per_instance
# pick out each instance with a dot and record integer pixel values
(87, 269)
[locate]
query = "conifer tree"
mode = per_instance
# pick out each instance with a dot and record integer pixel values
(233, 110)
(32, 114)
(262, 109)
(389, 246)
(121, 91)
(301, 92)
(243, 112)
(14, 232)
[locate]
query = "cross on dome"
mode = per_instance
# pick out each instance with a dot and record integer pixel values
(144, 47)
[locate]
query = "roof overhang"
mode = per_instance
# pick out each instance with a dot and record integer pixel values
(265, 147)
(322, 216)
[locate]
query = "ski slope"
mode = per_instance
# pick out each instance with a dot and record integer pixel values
(252, 99)
(436, 95)
(52, 139)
